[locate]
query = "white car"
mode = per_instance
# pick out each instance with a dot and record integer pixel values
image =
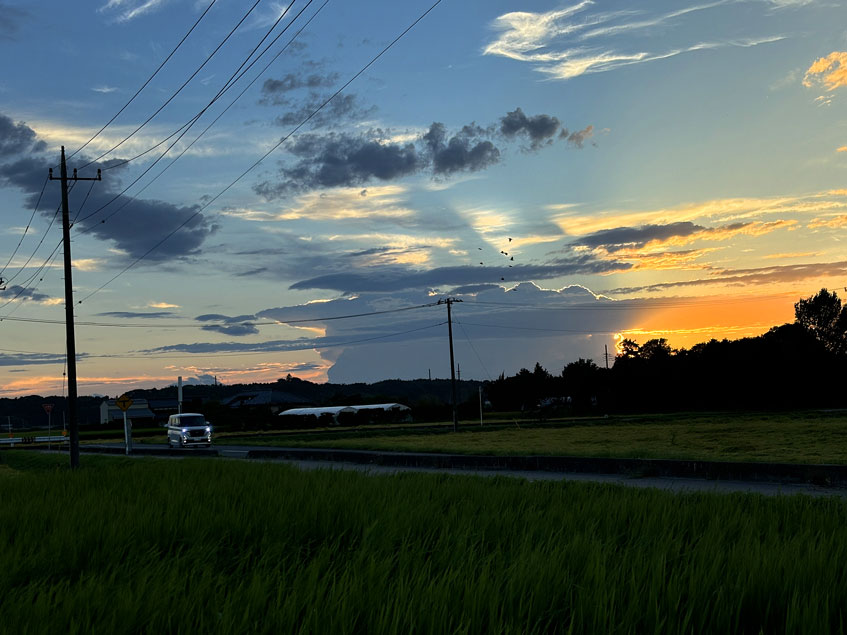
(189, 428)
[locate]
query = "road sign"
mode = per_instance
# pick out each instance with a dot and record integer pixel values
(123, 402)
(48, 407)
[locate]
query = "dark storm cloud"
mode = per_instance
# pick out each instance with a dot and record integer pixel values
(622, 237)
(10, 19)
(133, 225)
(133, 315)
(395, 278)
(17, 138)
(540, 129)
(22, 293)
(345, 160)
(750, 277)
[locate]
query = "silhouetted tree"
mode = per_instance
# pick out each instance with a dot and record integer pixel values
(823, 315)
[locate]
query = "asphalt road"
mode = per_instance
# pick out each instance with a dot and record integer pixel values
(663, 483)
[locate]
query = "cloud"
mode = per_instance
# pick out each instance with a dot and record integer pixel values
(126, 10)
(578, 137)
(104, 89)
(540, 129)
(133, 225)
(680, 233)
(340, 159)
(831, 71)
(10, 19)
(834, 222)
(23, 293)
(17, 138)
(396, 278)
(236, 326)
(748, 277)
(138, 314)
(274, 90)
(31, 359)
(555, 42)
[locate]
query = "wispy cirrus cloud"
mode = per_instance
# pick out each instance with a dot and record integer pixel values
(126, 10)
(569, 42)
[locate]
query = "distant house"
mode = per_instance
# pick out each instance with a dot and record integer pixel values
(350, 415)
(272, 399)
(138, 412)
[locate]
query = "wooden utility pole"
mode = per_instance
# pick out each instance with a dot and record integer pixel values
(73, 425)
(449, 302)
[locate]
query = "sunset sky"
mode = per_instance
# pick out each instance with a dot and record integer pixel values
(575, 173)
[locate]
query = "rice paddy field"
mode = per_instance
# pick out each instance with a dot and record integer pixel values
(806, 437)
(212, 545)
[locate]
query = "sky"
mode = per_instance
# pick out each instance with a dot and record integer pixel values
(291, 189)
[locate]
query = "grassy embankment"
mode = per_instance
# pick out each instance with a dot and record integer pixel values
(806, 437)
(149, 545)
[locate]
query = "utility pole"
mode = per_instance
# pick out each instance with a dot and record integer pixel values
(449, 302)
(73, 425)
(606, 355)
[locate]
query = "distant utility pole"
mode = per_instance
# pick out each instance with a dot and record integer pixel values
(73, 425)
(606, 355)
(449, 302)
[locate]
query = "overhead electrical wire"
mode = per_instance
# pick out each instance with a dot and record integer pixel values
(219, 322)
(26, 229)
(268, 153)
(144, 85)
(178, 90)
(38, 246)
(189, 124)
(240, 353)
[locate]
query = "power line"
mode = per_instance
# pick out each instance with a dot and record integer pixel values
(183, 130)
(264, 156)
(26, 229)
(178, 90)
(144, 85)
(213, 323)
(473, 348)
(233, 80)
(304, 347)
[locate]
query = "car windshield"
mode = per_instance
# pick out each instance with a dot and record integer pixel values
(192, 421)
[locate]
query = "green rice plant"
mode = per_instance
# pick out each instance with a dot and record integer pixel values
(208, 545)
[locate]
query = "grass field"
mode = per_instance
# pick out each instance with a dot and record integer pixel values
(810, 437)
(193, 545)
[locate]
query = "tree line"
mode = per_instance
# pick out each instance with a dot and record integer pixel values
(801, 364)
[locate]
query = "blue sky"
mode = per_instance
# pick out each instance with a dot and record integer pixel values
(574, 172)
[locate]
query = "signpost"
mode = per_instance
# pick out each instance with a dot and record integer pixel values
(48, 408)
(124, 402)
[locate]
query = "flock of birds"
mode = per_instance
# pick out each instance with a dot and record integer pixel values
(504, 253)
